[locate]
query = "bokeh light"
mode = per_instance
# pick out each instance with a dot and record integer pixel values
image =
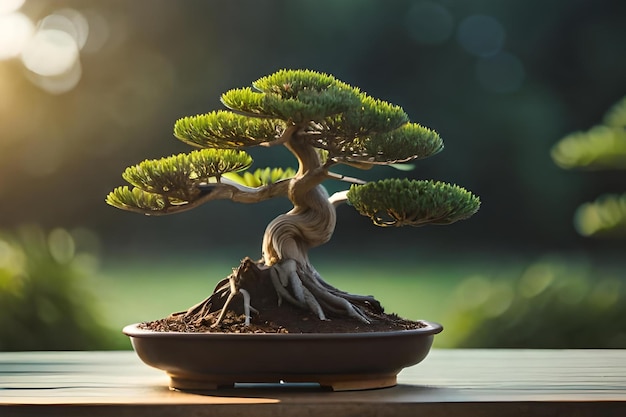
(59, 84)
(98, 31)
(481, 35)
(429, 23)
(50, 52)
(69, 21)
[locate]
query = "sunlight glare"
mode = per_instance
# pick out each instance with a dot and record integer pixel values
(15, 31)
(9, 6)
(52, 54)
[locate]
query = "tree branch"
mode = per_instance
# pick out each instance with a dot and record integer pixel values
(338, 198)
(224, 190)
(341, 177)
(227, 189)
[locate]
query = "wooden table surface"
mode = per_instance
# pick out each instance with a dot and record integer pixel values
(572, 383)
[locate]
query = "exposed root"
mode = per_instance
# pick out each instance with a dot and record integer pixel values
(244, 280)
(281, 291)
(246, 306)
(335, 303)
(309, 290)
(367, 300)
(287, 281)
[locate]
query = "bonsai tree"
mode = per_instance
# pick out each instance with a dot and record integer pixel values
(324, 123)
(601, 147)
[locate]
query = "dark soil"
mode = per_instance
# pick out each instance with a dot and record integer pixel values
(284, 319)
(271, 317)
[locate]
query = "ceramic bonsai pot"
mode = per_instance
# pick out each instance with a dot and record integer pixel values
(339, 361)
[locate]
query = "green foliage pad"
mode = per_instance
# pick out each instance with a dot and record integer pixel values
(226, 130)
(174, 180)
(401, 202)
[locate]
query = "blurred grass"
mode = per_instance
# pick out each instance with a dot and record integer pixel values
(140, 289)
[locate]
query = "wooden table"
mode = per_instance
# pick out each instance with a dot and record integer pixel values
(572, 383)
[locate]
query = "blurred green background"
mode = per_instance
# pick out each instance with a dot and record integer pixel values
(90, 87)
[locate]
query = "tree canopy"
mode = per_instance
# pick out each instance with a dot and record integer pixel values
(342, 123)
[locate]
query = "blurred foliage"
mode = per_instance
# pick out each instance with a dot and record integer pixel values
(604, 217)
(552, 303)
(45, 300)
(601, 147)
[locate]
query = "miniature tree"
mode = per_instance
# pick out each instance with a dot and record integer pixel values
(323, 122)
(601, 147)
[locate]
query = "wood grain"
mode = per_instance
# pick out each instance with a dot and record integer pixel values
(573, 383)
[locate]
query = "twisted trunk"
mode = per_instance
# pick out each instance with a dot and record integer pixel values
(311, 222)
(290, 236)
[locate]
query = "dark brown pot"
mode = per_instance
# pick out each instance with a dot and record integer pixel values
(341, 361)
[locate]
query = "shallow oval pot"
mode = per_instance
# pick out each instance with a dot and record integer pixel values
(340, 361)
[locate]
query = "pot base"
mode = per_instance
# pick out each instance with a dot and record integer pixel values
(343, 382)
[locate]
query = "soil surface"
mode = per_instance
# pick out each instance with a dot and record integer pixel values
(283, 319)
